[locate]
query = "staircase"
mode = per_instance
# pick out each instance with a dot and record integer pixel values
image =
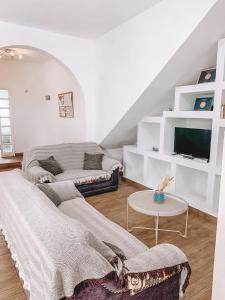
(196, 51)
(196, 180)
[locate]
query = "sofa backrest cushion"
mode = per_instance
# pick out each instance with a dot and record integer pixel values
(66, 190)
(50, 193)
(69, 156)
(93, 161)
(51, 165)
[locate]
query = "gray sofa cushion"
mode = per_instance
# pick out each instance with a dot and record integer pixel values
(93, 161)
(50, 193)
(50, 165)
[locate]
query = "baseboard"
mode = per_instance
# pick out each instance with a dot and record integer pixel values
(196, 211)
(134, 183)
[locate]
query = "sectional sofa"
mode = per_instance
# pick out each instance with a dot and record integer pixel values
(70, 157)
(73, 252)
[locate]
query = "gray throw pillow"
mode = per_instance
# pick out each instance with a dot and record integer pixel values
(50, 193)
(51, 165)
(93, 161)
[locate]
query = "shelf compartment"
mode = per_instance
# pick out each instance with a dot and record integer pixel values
(134, 166)
(192, 184)
(220, 147)
(156, 170)
(216, 194)
(186, 101)
(171, 123)
(148, 135)
(190, 163)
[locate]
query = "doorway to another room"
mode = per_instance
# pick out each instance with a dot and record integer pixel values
(6, 134)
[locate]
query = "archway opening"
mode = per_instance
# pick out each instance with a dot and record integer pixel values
(37, 115)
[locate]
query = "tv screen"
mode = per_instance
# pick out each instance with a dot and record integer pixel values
(195, 142)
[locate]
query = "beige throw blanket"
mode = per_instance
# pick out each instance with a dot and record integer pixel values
(52, 251)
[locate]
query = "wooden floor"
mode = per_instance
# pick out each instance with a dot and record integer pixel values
(199, 246)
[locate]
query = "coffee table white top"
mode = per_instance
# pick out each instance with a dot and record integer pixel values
(144, 203)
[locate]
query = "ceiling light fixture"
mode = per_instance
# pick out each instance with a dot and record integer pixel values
(10, 53)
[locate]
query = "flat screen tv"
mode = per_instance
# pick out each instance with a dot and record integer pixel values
(194, 142)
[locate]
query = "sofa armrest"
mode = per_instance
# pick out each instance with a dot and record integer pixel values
(162, 261)
(66, 190)
(110, 164)
(39, 175)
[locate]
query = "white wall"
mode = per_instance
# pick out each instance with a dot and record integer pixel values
(219, 262)
(75, 53)
(132, 55)
(63, 129)
(113, 71)
(35, 120)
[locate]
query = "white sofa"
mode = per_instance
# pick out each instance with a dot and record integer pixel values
(59, 251)
(70, 156)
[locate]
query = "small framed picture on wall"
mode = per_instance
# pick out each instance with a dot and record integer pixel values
(66, 109)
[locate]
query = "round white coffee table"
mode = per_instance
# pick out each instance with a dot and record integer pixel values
(144, 203)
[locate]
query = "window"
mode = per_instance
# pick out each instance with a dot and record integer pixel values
(5, 125)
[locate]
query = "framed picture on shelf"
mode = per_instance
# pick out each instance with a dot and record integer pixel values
(203, 103)
(66, 105)
(207, 75)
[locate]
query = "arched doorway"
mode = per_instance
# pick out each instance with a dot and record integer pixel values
(33, 79)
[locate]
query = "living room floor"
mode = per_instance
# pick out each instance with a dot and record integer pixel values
(199, 246)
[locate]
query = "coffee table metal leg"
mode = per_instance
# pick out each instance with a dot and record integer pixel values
(156, 229)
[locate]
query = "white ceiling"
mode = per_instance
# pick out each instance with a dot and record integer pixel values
(83, 18)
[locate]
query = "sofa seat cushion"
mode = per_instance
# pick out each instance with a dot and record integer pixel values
(84, 176)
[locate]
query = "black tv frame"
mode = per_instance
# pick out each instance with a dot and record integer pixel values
(193, 142)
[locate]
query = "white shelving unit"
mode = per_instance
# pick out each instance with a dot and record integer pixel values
(195, 180)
